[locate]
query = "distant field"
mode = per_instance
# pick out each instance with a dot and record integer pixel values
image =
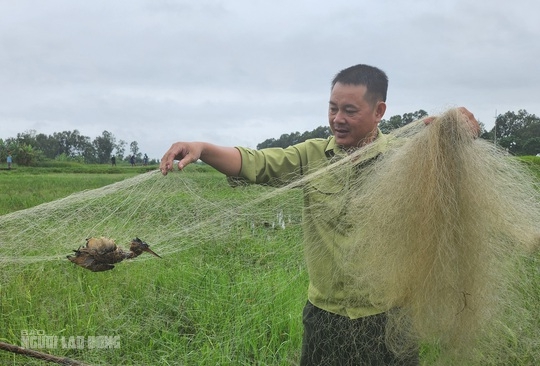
(25, 187)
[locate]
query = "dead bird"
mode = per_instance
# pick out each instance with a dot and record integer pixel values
(100, 254)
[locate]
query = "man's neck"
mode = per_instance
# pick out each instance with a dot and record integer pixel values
(365, 141)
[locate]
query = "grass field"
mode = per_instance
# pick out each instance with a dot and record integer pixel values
(24, 187)
(230, 300)
(233, 300)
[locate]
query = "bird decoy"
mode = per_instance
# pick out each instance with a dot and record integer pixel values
(100, 254)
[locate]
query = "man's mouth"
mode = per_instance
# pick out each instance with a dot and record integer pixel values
(341, 133)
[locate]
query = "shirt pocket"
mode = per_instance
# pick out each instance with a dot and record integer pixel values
(327, 203)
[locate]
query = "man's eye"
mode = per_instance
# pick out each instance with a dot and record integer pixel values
(350, 111)
(333, 110)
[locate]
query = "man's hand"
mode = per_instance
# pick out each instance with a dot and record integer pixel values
(225, 159)
(185, 152)
(471, 121)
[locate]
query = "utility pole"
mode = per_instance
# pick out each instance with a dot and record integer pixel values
(495, 129)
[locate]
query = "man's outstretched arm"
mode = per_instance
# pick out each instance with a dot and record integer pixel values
(227, 160)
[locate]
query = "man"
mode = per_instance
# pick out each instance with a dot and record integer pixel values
(340, 327)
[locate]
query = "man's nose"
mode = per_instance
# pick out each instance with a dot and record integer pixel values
(339, 117)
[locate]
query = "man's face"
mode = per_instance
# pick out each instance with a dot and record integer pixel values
(352, 119)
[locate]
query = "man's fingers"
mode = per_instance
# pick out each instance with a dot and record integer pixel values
(428, 120)
(471, 120)
(165, 168)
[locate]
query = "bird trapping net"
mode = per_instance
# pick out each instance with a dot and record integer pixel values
(442, 232)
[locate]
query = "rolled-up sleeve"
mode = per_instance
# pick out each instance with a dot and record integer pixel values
(277, 166)
(272, 166)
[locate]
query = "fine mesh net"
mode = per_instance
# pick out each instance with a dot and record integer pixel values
(441, 233)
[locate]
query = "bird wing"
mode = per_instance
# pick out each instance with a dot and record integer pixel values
(96, 256)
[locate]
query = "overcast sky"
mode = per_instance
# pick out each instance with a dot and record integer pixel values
(236, 72)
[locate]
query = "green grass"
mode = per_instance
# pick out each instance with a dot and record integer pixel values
(533, 162)
(234, 300)
(25, 187)
(190, 310)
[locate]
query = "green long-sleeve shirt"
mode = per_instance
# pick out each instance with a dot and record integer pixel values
(325, 201)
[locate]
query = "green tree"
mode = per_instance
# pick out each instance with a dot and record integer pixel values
(27, 138)
(134, 148)
(286, 140)
(26, 155)
(89, 154)
(103, 146)
(517, 132)
(47, 145)
(398, 121)
(120, 149)
(531, 146)
(71, 143)
(5, 149)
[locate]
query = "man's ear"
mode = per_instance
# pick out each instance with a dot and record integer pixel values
(380, 108)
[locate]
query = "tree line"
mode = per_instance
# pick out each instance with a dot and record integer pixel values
(518, 133)
(30, 147)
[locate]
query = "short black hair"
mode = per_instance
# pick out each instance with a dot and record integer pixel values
(374, 79)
